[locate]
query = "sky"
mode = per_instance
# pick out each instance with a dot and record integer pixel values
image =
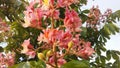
(114, 42)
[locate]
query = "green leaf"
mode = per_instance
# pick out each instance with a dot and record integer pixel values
(108, 55)
(114, 55)
(108, 65)
(22, 65)
(111, 28)
(105, 40)
(85, 11)
(30, 64)
(83, 17)
(98, 51)
(83, 1)
(107, 30)
(118, 52)
(76, 64)
(102, 58)
(115, 27)
(97, 59)
(84, 32)
(115, 15)
(116, 64)
(39, 64)
(102, 48)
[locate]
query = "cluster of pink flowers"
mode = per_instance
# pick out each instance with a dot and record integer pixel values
(104, 16)
(7, 60)
(67, 39)
(52, 36)
(72, 21)
(83, 50)
(96, 17)
(46, 9)
(64, 3)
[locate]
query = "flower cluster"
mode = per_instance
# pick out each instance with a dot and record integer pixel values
(57, 42)
(64, 3)
(95, 17)
(104, 16)
(38, 10)
(72, 21)
(83, 50)
(7, 60)
(51, 36)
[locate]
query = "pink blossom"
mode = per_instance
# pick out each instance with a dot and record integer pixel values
(76, 40)
(64, 3)
(31, 54)
(7, 60)
(51, 60)
(86, 51)
(55, 14)
(33, 15)
(28, 49)
(72, 21)
(10, 59)
(65, 39)
(50, 35)
(33, 18)
(60, 61)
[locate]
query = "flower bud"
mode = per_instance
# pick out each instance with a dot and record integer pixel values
(70, 44)
(41, 56)
(49, 53)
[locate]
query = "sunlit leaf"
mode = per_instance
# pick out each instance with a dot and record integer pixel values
(76, 64)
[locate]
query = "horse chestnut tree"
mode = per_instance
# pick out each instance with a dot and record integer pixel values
(56, 34)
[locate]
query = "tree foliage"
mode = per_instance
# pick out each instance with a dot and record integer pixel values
(58, 35)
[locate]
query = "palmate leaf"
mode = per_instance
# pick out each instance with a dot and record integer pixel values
(108, 29)
(115, 15)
